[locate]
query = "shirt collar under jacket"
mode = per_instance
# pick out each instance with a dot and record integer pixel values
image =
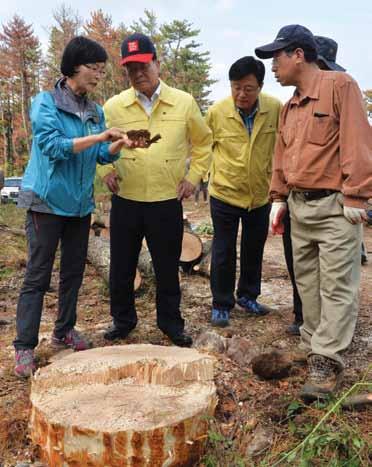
(165, 95)
(148, 103)
(248, 119)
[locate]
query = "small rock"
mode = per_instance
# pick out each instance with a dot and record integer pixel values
(211, 342)
(262, 440)
(241, 350)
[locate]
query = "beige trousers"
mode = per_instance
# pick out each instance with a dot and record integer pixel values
(326, 252)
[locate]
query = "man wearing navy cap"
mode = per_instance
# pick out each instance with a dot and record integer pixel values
(322, 166)
(148, 185)
(327, 53)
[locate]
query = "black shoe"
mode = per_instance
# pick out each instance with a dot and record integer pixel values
(113, 333)
(294, 328)
(182, 339)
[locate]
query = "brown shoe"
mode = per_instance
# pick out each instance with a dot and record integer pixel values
(324, 377)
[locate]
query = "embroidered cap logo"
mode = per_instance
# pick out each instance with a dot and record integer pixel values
(133, 46)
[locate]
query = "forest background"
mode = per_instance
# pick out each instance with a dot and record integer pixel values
(25, 69)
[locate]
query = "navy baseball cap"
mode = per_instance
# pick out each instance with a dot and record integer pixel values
(291, 34)
(137, 48)
(327, 52)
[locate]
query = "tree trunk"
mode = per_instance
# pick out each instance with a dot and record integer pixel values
(99, 257)
(135, 405)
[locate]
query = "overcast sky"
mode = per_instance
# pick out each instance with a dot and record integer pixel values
(231, 29)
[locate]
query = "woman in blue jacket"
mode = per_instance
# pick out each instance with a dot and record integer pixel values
(69, 139)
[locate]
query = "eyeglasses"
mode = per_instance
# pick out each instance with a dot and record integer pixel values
(246, 90)
(95, 69)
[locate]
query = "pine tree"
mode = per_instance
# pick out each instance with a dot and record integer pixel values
(21, 57)
(101, 29)
(68, 24)
(368, 101)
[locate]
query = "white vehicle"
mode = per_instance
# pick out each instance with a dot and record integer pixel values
(9, 194)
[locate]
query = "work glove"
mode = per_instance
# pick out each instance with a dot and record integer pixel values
(277, 213)
(355, 215)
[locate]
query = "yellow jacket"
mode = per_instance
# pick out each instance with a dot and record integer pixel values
(241, 163)
(153, 174)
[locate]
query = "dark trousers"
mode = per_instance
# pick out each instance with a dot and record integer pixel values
(288, 253)
(255, 224)
(161, 224)
(44, 231)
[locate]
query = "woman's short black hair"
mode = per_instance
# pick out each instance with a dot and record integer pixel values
(81, 50)
(247, 66)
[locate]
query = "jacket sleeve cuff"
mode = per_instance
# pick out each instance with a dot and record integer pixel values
(353, 202)
(104, 154)
(67, 146)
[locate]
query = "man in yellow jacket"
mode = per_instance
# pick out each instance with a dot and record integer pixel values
(148, 186)
(244, 128)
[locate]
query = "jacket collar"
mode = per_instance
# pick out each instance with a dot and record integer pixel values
(262, 107)
(69, 102)
(166, 95)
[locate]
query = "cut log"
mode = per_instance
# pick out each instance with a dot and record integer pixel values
(192, 250)
(204, 267)
(134, 405)
(99, 257)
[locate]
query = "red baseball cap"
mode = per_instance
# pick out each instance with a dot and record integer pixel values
(137, 48)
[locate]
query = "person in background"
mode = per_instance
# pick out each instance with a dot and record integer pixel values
(244, 129)
(148, 187)
(69, 138)
(327, 54)
(323, 167)
(202, 187)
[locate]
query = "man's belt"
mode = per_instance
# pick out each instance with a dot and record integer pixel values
(310, 195)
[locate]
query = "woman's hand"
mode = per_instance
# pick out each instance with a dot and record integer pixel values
(112, 134)
(118, 144)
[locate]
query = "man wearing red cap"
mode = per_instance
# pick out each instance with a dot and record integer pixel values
(148, 185)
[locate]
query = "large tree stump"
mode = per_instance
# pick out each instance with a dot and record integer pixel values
(134, 405)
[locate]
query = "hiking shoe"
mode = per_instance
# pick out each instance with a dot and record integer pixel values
(24, 363)
(73, 340)
(324, 377)
(220, 318)
(252, 306)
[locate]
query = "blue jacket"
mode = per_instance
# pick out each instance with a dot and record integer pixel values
(58, 177)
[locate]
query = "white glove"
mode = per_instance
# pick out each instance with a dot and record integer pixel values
(278, 210)
(355, 215)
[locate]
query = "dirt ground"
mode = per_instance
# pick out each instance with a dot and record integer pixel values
(245, 402)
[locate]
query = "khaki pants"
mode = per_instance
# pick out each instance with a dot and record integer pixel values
(326, 251)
